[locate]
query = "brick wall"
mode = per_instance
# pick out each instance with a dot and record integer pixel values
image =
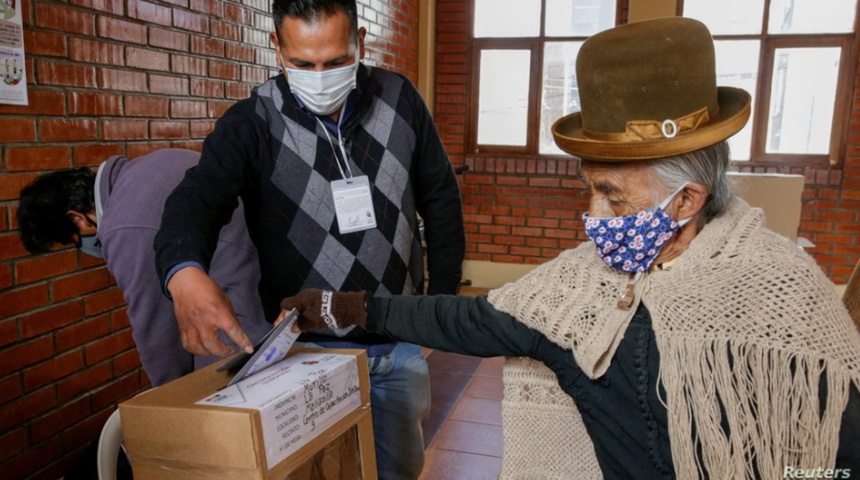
(522, 209)
(114, 77)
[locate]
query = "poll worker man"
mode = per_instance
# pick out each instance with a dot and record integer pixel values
(334, 161)
(685, 340)
(114, 214)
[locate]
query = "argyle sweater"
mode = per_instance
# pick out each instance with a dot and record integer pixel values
(275, 155)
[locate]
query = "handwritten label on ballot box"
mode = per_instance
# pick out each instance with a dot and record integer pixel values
(298, 399)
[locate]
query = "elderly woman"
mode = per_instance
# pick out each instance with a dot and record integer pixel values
(692, 341)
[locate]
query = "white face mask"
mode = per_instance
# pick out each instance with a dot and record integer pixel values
(91, 246)
(323, 92)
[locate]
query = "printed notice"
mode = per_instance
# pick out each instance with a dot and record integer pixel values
(13, 89)
(298, 398)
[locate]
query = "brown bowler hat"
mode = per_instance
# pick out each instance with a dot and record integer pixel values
(648, 90)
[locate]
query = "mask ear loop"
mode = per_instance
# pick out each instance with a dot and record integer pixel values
(665, 203)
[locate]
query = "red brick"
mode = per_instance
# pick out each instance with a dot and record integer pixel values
(53, 370)
(254, 75)
(119, 319)
(140, 106)
(95, 103)
(238, 90)
(188, 65)
(168, 85)
(201, 87)
(212, 47)
(13, 443)
(26, 408)
(92, 51)
(110, 6)
(26, 353)
(225, 70)
(187, 109)
(81, 333)
(117, 391)
(126, 80)
(168, 39)
(86, 431)
(196, 145)
(92, 155)
(66, 20)
(122, 30)
(68, 130)
(147, 59)
(41, 102)
(159, 130)
(8, 332)
(140, 149)
(20, 159)
(225, 30)
(125, 362)
(240, 52)
(84, 381)
(24, 465)
(108, 346)
(45, 266)
(149, 12)
(59, 419)
(50, 319)
(125, 129)
(217, 109)
(79, 284)
(103, 301)
(10, 244)
(190, 21)
(10, 388)
(44, 43)
(234, 13)
(17, 130)
(213, 8)
(66, 74)
(201, 128)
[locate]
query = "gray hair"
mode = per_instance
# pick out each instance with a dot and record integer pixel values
(707, 166)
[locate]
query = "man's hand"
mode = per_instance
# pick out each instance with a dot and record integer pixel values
(325, 309)
(202, 309)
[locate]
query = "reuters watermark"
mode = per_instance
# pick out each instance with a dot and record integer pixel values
(794, 472)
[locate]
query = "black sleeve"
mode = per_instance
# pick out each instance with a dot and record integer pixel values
(848, 455)
(438, 201)
(461, 324)
(205, 199)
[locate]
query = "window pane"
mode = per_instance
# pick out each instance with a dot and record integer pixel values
(803, 95)
(507, 18)
(578, 18)
(560, 93)
(809, 16)
(503, 97)
(737, 66)
(727, 17)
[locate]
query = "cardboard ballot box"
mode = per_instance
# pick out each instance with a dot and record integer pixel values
(307, 417)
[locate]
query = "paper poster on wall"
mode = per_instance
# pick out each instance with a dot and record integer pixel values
(13, 88)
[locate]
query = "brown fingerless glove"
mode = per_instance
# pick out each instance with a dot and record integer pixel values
(325, 309)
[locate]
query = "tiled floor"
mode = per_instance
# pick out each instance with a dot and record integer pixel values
(464, 431)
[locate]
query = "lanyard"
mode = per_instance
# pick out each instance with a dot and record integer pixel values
(342, 151)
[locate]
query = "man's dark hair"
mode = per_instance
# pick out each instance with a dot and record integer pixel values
(309, 10)
(44, 202)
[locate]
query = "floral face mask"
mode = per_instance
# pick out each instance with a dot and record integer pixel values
(632, 242)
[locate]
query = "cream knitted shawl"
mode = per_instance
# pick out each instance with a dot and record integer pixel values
(745, 323)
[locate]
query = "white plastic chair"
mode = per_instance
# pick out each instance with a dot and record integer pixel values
(110, 441)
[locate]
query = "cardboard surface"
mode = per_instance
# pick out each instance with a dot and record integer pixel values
(169, 434)
(778, 195)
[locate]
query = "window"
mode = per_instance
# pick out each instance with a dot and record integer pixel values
(525, 77)
(795, 58)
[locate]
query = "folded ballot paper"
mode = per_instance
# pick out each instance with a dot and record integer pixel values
(297, 398)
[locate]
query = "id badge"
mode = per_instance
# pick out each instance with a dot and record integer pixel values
(353, 204)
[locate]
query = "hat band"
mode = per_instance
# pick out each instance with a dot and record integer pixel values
(639, 130)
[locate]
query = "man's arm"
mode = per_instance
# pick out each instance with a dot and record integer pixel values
(193, 216)
(438, 201)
